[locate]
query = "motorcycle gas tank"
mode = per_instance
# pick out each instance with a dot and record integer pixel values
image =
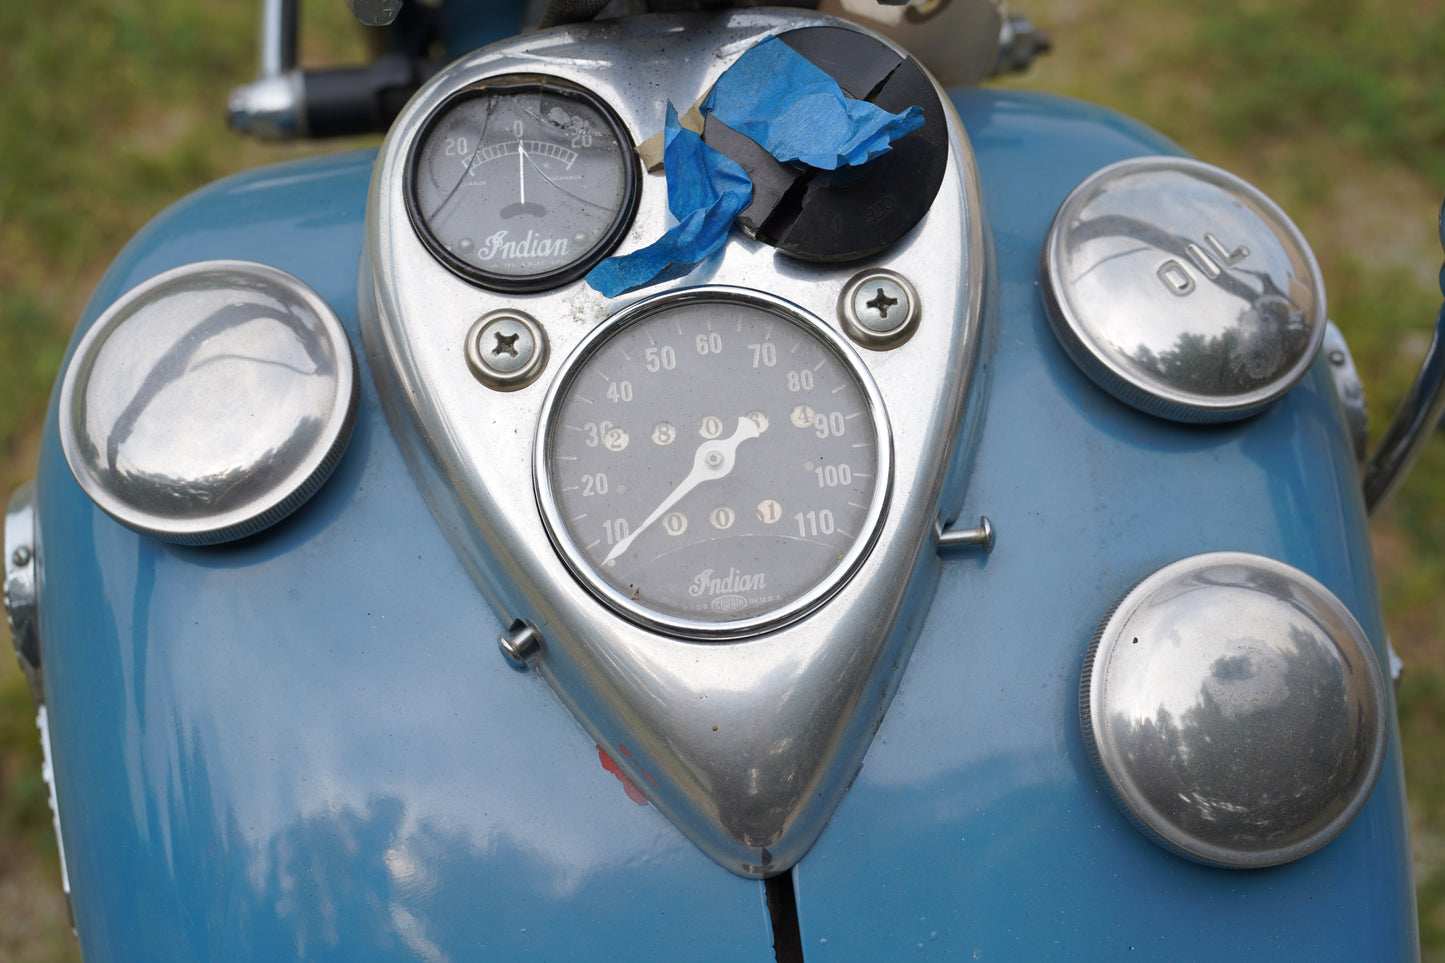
(1010, 848)
(304, 744)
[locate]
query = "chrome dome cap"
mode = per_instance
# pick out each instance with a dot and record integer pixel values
(209, 402)
(1235, 709)
(1182, 290)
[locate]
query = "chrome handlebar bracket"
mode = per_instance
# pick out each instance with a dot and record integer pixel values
(273, 106)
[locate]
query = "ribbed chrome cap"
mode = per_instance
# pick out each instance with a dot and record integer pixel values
(1182, 290)
(1235, 710)
(209, 402)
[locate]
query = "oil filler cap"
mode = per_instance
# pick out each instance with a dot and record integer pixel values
(209, 402)
(1234, 709)
(1182, 290)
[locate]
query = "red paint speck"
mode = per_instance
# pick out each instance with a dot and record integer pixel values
(633, 793)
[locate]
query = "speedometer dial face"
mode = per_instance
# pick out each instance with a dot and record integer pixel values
(522, 183)
(713, 463)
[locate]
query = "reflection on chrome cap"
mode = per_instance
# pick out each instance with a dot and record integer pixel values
(1182, 290)
(1235, 709)
(209, 402)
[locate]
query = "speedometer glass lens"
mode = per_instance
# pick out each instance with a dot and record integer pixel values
(713, 463)
(522, 183)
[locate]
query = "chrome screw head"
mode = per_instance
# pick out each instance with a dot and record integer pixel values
(506, 350)
(879, 309)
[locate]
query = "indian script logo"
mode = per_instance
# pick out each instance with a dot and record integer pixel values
(725, 593)
(533, 245)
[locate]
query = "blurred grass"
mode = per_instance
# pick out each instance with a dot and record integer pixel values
(34, 925)
(108, 112)
(1335, 108)
(1422, 711)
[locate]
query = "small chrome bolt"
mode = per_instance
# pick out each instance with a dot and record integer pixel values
(520, 645)
(21, 556)
(980, 536)
(506, 350)
(879, 309)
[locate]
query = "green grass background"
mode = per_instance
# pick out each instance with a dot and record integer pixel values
(1336, 108)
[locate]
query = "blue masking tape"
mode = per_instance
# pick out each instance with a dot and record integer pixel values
(794, 110)
(706, 190)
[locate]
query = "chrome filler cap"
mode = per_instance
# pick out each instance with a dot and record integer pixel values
(1235, 709)
(1182, 290)
(209, 402)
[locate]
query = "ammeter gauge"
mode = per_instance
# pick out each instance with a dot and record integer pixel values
(713, 462)
(521, 182)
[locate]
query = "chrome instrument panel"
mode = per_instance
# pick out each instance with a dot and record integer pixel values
(746, 743)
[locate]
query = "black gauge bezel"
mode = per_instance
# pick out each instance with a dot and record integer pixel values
(546, 280)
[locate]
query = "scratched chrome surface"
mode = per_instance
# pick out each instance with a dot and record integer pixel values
(209, 402)
(746, 745)
(1183, 290)
(1235, 708)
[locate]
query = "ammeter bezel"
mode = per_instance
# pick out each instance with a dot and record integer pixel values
(517, 84)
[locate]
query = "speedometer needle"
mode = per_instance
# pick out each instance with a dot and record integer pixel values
(714, 460)
(522, 171)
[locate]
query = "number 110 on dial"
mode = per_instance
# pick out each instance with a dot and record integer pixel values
(714, 462)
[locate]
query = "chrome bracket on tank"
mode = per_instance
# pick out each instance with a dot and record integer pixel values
(21, 595)
(1349, 388)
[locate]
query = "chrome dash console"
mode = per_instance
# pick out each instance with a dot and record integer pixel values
(706, 507)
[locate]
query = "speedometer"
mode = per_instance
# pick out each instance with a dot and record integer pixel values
(521, 182)
(713, 462)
